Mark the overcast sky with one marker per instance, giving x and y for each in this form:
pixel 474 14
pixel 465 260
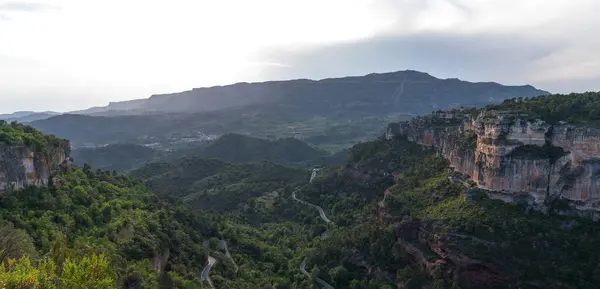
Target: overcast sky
pixel 71 54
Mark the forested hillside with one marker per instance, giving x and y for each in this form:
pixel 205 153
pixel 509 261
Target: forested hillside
pixel 229 148
pixel 104 230
pixel 238 149
pixel 214 184
pixel 394 215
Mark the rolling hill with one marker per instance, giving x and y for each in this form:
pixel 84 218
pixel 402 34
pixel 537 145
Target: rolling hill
pixel 229 148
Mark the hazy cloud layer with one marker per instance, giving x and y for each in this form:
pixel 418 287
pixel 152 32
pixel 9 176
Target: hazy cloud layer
pixel 499 57
pixel 90 52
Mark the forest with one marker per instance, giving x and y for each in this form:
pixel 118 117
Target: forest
pixel 396 216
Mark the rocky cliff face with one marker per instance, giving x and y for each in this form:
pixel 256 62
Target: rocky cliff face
pixel 21 165
pixel 515 158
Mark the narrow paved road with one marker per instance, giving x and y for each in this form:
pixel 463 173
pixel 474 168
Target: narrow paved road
pixel 323 236
pixel 204 275
pixel 303 267
pixel 223 244
pixel 319 280
pixel 321 211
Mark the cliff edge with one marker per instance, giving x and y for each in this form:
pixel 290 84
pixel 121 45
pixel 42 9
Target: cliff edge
pixel 28 157
pixel 516 157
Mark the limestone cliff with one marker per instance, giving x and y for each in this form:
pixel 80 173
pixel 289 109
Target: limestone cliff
pixel 516 158
pixel 22 165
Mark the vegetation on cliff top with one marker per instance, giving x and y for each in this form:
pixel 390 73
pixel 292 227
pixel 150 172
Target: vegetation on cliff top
pixel 576 108
pixel 16 133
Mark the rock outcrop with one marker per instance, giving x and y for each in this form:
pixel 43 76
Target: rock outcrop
pixel 430 252
pixel 518 159
pixel 22 165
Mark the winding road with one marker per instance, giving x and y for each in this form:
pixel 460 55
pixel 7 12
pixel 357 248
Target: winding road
pixel 321 211
pixel 319 280
pixel 223 244
pixel 204 275
pixel 323 236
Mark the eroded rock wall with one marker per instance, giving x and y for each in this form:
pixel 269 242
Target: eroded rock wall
pixel 503 158
pixel 21 165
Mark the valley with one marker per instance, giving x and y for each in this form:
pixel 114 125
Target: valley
pixel 459 198
pixel 449 144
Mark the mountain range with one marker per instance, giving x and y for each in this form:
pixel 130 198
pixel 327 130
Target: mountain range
pixel 334 111
pixel 27 116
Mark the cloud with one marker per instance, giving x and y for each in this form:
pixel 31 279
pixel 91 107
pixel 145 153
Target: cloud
pixel 480 57
pixel 179 44
pixel 20 6
pixel 550 44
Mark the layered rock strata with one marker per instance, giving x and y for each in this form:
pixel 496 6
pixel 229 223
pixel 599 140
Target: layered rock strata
pixel 518 158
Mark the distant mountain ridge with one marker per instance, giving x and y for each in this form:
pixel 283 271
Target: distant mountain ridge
pixel 393 85
pixel 112 106
pixel 27 116
pixel 350 109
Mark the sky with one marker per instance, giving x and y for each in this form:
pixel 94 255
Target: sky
pixel 64 55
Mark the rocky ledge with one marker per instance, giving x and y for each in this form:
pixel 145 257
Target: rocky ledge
pixel 22 165
pixel 517 158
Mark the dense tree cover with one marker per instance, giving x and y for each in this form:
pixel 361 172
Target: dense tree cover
pixel 239 148
pixel 16 133
pixel 431 231
pixel 577 108
pixel 229 148
pixel 270 234
pixel 513 245
pixel 90 272
pixel 210 183
pixel 89 212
